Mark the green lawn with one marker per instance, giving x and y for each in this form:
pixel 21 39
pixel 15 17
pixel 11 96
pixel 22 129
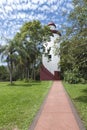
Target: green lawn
pixel 20 102
pixel 78 94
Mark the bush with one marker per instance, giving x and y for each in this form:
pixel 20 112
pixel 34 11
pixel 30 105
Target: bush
pixel 71 77
pixel 83 81
pixel 4 75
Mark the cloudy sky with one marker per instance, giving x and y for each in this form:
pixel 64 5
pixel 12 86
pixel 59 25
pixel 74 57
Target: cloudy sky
pixel 13 13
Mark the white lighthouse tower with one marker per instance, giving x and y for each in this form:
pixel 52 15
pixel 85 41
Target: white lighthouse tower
pixel 50 69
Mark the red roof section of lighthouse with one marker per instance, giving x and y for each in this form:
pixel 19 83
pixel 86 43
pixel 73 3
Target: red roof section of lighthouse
pixel 54 30
pixel 51 23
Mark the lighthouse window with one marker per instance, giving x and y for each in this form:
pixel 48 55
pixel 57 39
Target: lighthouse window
pixel 49 57
pixel 49 50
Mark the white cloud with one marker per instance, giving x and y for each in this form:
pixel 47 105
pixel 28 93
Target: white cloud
pixel 13 2
pixel 61 1
pixel 35 1
pixel 69 5
pixel 24 6
pixel 38 1
pixel 14 6
pixel 44 8
pixel 2 2
pixel 21 15
pixel 31 6
pixel 64 9
pixel 40 16
pixel 14 12
pixel 54 7
pixel 52 1
pixel 8 9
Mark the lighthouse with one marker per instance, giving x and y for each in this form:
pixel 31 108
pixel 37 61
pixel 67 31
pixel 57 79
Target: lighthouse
pixel 50 69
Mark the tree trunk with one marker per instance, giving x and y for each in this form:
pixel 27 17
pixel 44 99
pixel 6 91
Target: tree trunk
pixel 28 74
pixel 34 76
pixel 11 73
pixel 10 77
pixel 34 73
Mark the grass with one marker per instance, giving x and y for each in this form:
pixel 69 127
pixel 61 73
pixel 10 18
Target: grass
pixel 78 94
pixel 19 103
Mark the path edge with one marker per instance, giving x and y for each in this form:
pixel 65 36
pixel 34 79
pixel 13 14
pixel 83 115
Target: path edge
pixel 35 120
pixel 74 111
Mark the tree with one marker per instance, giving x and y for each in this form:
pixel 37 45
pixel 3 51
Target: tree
pixel 74 44
pixel 23 50
pixel 4 75
pixel 29 41
pixel 8 54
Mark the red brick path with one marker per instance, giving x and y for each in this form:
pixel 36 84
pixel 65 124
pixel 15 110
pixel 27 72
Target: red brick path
pixel 57 113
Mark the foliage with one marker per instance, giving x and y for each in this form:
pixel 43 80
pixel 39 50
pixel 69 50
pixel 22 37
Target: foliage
pixel 4 75
pixel 29 42
pixel 23 51
pixel 19 104
pixel 71 77
pixel 8 54
pixel 78 94
pixel 73 49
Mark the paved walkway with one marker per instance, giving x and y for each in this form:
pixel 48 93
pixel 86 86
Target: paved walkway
pixel 57 113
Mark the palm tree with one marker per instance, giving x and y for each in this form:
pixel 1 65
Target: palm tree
pixel 8 55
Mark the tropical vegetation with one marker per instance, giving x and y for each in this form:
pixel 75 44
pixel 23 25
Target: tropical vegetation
pixel 73 49
pixel 23 52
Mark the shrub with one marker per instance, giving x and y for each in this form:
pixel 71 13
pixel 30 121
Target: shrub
pixel 71 77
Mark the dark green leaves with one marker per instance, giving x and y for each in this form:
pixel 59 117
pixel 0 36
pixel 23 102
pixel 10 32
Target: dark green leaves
pixel 74 46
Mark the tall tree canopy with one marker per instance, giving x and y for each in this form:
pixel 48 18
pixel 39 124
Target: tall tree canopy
pixel 74 44
pixel 29 41
pixel 7 52
pixel 26 48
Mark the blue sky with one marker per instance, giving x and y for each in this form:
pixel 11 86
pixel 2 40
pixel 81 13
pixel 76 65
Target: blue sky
pixel 13 13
